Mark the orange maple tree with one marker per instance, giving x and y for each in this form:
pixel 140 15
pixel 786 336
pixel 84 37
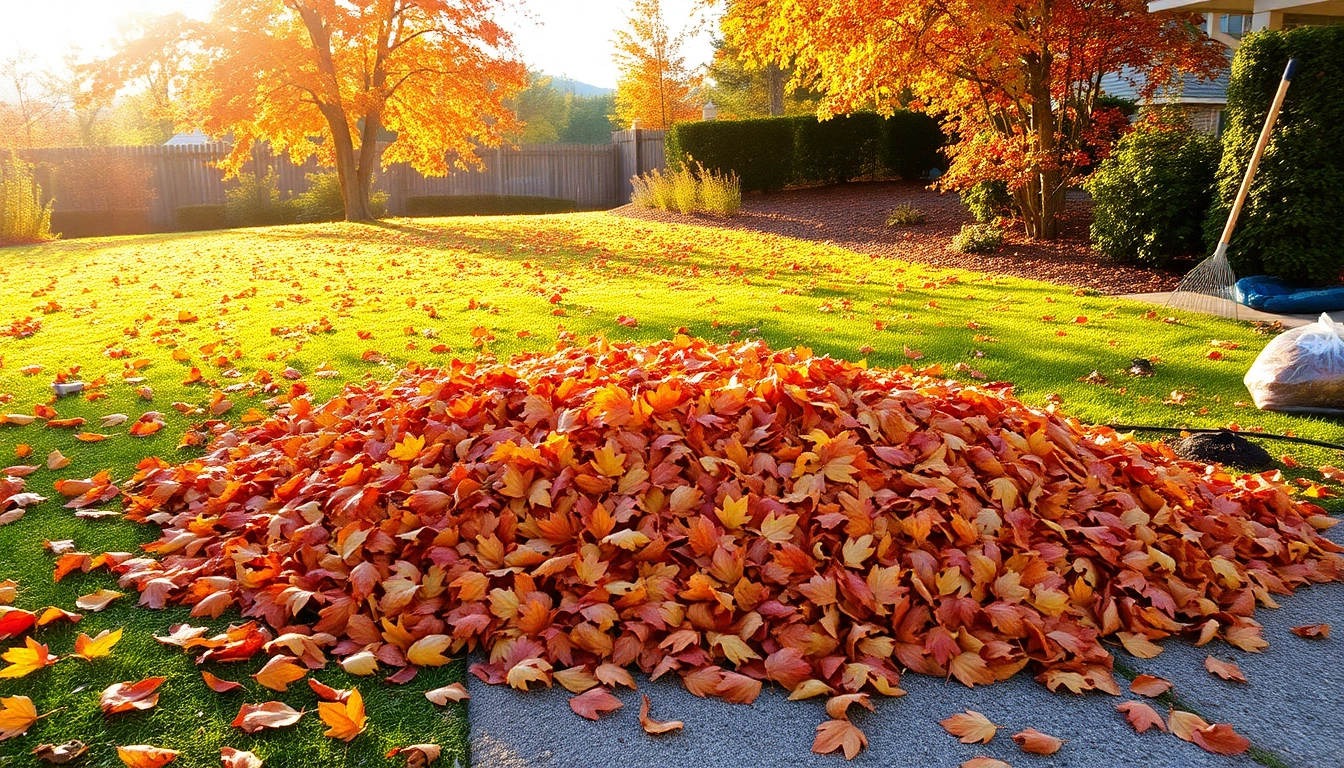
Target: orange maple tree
pixel 332 77
pixel 655 86
pixel 1017 81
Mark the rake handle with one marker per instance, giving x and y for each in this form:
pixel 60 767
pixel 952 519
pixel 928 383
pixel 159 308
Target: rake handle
pixel 1258 153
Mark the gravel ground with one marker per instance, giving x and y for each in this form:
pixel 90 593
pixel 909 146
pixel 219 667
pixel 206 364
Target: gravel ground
pixel 1291 708
pixel 854 216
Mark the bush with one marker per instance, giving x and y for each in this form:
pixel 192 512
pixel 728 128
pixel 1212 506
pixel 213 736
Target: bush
pixel 104 223
pixel 688 190
pixel 1152 193
pixel 256 202
pixel 486 205
pixel 1293 222
pixel 905 216
pixel 23 217
pixel 323 200
pixel 772 153
pixel 988 200
pixel 191 218
pixel 840 149
pixel 759 151
pixel 977 238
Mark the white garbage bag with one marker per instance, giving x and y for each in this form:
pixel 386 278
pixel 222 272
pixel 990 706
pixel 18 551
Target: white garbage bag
pixel 1301 370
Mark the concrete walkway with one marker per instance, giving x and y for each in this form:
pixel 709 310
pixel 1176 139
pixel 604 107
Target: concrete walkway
pixel 1293 707
pixel 1243 313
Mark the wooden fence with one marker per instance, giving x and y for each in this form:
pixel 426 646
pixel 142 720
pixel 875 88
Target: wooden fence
pixel 158 180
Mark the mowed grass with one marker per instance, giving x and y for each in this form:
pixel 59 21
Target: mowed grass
pixel 362 301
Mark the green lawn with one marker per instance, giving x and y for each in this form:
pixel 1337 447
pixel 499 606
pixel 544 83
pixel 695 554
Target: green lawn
pixel 340 302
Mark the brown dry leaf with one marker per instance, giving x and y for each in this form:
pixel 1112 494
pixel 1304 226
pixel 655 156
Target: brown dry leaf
pixel 238 758
pixel 60 754
pixel 450 692
pixel 594 703
pixel 1141 716
pixel 417 755
pixel 124 697
pixel 970 727
pixel 271 714
pixel 985 762
pixel 1227 670
pixel 1037 743
pixel 839 734
pixel 279 672
pixel 1320 631
pixel 837 707
pixel 1138 645
pixel 145 756
pixel 655 727
pixel 1184 724
pixel 1220 739
pixel 1150 686
pixel 346 719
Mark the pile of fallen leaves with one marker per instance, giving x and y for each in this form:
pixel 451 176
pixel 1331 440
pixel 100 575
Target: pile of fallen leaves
pixel 729 514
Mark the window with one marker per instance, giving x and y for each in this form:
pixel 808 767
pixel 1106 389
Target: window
pixel 1234 24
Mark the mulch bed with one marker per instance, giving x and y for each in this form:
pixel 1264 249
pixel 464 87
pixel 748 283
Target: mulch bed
pixel 854 216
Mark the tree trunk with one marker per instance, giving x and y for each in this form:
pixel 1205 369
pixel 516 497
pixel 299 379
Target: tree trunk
pixel 774 83
pixel 1042 201
pixel 353 191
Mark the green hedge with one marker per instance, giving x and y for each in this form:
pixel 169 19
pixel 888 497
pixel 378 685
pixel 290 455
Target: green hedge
pixel 192 218
pixel 486 205
pixel 1293 223
pixel 772 153
pixel 72 224
pixel 1152 193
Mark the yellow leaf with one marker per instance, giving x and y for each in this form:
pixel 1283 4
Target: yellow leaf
pixel 778 530
pixel 345 718
pixel 279 672
pixel 607 461
pixel 428 651
pixel 94 647
pixel 733 513
pixel 23 661
pixel 17 715
pixel 408 449
pixel 627 539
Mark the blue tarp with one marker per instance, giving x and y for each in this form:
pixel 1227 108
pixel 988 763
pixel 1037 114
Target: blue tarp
pixel 1271 294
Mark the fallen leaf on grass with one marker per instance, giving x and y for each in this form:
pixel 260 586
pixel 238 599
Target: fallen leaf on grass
pixel 26 660
pixel 326 692
pixel 145 756
pixel 1147 685
pixel 1037 743
pixel 1141 716
pixel 1321 631
pixel 15 621
pixel 17 715
pixel 594 703
pixel 839 734
pixel 124 697
pixel 278 673
pixel 219 685
pixel 655 727
pixel 346 718
pixel 450 692
pixel 417 755
pixel 89 648
pixel 271 714
pixel 428 651
pixel 238 758
pixel 1227 670
pixel 60 754
pixel 970 727
pixel 97 601
pixel 362 664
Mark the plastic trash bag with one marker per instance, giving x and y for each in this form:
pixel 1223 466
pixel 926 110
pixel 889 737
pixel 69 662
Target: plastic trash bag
pixel 1301 370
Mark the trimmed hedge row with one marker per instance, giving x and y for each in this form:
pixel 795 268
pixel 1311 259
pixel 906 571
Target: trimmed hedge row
pixel 486 205
pixel 1293 224
pixel 194 218
pixel 775 152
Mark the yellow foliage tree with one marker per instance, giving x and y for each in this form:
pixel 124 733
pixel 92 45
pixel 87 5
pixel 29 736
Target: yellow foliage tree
pixel 655 86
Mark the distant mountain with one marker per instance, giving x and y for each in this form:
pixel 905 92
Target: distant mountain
pixel 566 85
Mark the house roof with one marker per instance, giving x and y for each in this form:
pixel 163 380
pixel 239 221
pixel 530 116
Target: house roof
pixel 195 137
pixel 1188 90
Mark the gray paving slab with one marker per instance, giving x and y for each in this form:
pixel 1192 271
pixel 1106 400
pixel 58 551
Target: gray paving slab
pixel 1293 702
pixel 511 729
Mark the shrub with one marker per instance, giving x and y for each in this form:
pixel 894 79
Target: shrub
pixel 988 200
pixel 759 151
pixel 323 200
pixel 905 216
pixel 192 218
pixel 1293 222
pixel 977 238
pixel 486 205
pixel 840 149
pixel 688 190
pixel 256 202
pixel 23 217
pixel 74 224
pixel 1152 193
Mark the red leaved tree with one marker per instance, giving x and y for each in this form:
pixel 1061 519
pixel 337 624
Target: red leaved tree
pixel 1017 81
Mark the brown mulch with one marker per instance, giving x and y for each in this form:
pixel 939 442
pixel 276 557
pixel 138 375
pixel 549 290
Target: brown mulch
pixel 854 216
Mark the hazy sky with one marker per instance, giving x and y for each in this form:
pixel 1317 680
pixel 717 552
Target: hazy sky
pixel 559 37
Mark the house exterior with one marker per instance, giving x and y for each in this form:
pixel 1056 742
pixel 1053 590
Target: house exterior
pixel 1226 21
